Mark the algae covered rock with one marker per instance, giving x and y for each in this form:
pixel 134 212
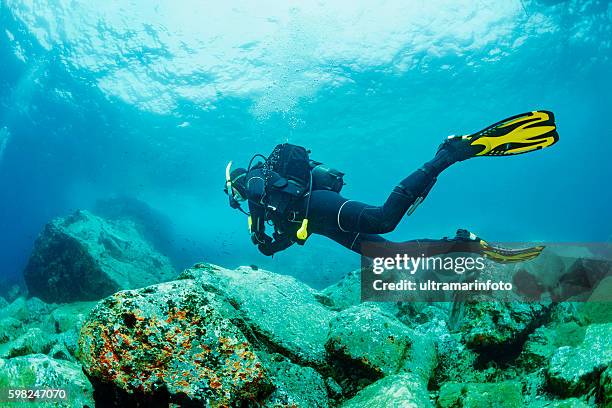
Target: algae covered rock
pixel 574 371
pixel 605 382
pixel 363 338
pixel 506 394
pixel 33 341
pixel 399 390
pixel 27 311
pixel 490 326
pixel 84 257
pixel 295 386
pixel 69 316
pixel 9 329
pixel 544 342
pixel 284 313
pixel 598 309
pixel 347 292
pixel 41 371
pixel 169 342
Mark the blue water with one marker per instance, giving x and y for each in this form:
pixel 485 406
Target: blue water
pixel 150 100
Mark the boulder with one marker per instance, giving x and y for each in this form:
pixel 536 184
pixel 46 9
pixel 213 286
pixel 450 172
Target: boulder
pixel 41 371
pixel 70 316
pixel 566 403
pixel 366 339
pixel 84 257
pixel 574 371
pixel 505 394
pixel 169 342
pixel 33 341
pixel 490 327
pixel 365 344
pixel 363 338
pixel 295 386
pixel 544 342
pixel 598 309
pixel 10 328
pixel 28 311
pixel 284 314
pixel 399 390
pixel 605 382
pixel 347 292
pixel 455 360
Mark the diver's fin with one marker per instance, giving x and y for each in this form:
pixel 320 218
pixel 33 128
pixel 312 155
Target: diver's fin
pixel 504 255
pixel 498 254
pixel 516 135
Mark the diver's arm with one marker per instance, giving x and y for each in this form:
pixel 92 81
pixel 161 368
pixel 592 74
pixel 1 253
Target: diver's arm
pixel 258 224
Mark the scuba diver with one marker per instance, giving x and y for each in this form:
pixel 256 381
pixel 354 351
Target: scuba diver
pixel 300 197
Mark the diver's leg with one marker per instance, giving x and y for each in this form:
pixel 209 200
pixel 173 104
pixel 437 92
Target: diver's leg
pixel 323 213
pixel 406 196
pixel 354 240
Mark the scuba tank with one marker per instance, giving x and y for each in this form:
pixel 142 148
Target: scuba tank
pixel 325 177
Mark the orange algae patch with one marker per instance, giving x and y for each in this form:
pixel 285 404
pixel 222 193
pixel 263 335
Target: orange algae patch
pixel 215 383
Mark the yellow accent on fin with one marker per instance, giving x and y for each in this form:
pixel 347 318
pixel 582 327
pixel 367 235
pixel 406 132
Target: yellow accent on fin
pixel 302 233
pixel 250 222
pixel 532 131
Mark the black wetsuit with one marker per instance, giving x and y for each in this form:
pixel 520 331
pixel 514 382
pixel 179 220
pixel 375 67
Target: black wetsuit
pixel 348 222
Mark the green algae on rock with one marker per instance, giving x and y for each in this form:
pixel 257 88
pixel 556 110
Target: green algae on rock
pixel 294 385
pixel 42 371
pixel 505 394
pixel 368 339
pixel 84 257
pixel 399 390
pixel 33 341
pixel 574 371
pixel 282 312
pixel 493 325
pixel 171 341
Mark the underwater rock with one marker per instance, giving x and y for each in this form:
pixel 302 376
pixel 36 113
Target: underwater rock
pixel 365 339
pixel 455 360
pixel 152 224
pixel 84 257
pixel 365 344
pixel 347 292
pixel 399 390
pixel 64 323
pixel 9 329
pixel 286 315
pixel 573 371
pixel 598 309
pixel 41 371
pixel 489 327
pixel 3 302
pixel 566 403
pixel 544 342
pixel 27 310
pixel 295 386
pixel 33 341
pixel 169 343
pixel 13 293
pixel 70 316
pixel 605 382
pixel 505 394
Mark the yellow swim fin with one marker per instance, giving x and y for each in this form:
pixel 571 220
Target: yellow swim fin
pixel 504 255
pixel 516 135
pixel 499 254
